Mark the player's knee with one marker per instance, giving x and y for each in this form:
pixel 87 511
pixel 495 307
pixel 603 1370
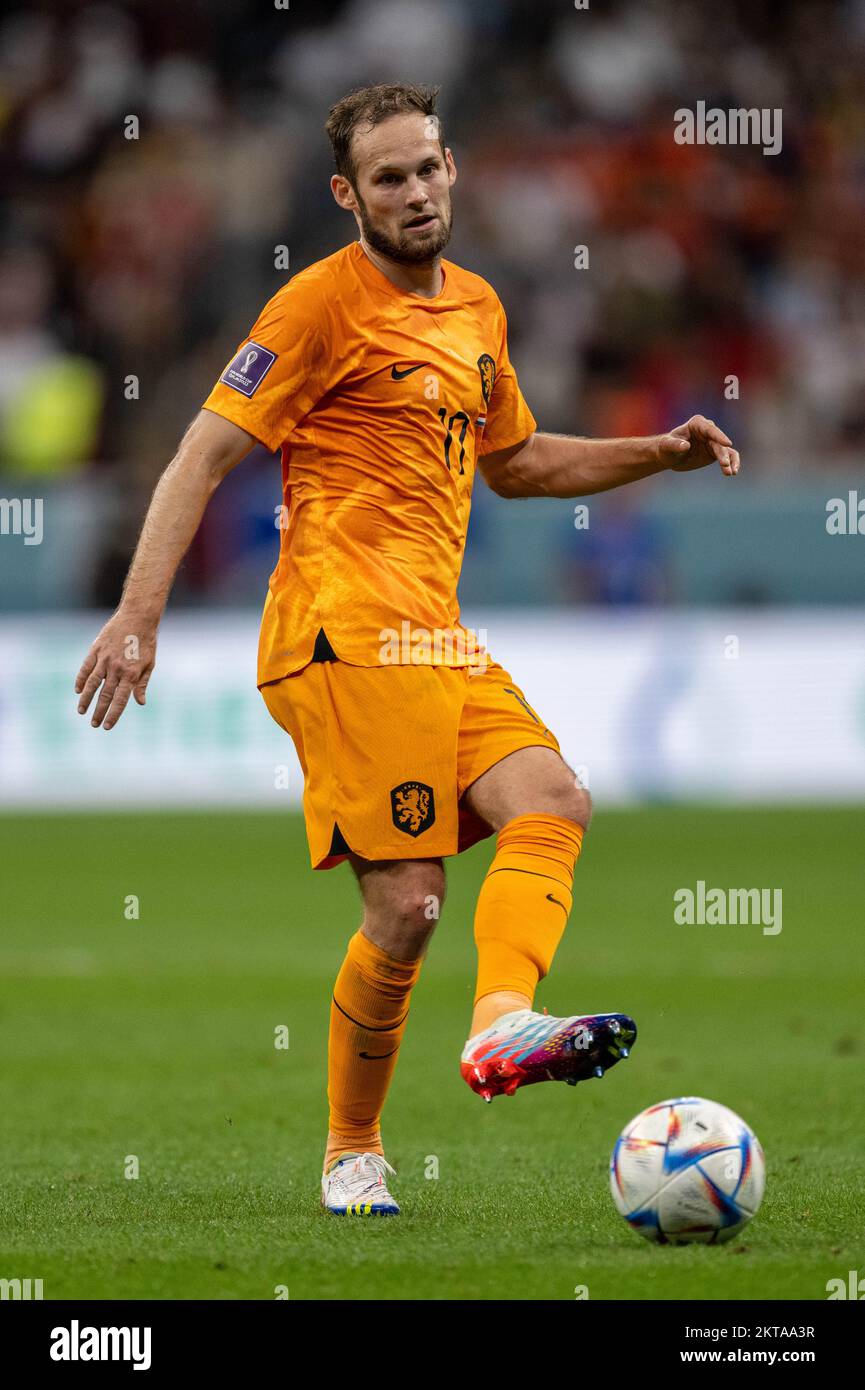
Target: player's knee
pixel 406 914
pixel 569 800
pixel 418 900
pixel 579 805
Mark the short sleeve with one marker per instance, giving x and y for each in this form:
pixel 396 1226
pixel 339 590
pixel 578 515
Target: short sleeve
pixel 281 369
pixel 509 420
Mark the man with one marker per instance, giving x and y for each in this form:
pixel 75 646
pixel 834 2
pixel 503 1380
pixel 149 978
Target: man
pixel 382 373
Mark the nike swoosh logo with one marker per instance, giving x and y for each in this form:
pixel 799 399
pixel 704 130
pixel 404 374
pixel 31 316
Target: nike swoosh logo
pixel 551 899
pixel 377 1056
pixel 398 376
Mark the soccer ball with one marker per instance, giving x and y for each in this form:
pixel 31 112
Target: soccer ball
pixel 687 1170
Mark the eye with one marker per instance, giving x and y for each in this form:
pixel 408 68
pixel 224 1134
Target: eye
pixel 389 178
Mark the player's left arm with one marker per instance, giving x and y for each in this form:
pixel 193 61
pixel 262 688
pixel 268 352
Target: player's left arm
pixel 560 465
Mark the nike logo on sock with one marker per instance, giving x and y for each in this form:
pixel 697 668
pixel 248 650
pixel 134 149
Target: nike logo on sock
pixel 377 1056
pixel 551 899
pixel 398 376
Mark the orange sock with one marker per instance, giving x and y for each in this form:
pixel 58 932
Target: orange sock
pixel 367 1021
pixel 525 902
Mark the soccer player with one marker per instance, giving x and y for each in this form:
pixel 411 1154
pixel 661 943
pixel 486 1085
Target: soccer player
pixel 382 373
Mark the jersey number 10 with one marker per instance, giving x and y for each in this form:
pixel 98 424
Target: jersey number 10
pixel 449 436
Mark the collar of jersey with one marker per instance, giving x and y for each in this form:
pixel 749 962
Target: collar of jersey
pixel 379 281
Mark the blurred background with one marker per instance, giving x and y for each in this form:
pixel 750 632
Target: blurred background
pixel 720 280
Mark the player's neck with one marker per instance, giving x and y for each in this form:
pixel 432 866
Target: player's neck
pixel 425 280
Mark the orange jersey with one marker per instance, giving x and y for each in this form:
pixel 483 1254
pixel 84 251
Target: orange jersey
pixel 380 401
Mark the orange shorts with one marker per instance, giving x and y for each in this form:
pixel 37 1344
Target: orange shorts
pixel 387 752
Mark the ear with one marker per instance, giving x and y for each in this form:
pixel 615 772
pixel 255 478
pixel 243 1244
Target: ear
pixel 343 192
pixel 450 166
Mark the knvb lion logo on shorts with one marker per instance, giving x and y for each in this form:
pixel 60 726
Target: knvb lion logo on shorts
pixel 413 807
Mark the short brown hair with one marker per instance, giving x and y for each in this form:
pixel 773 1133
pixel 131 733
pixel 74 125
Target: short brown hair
pixel 370 106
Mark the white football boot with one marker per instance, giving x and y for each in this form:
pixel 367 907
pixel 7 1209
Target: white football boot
pixel 356 1186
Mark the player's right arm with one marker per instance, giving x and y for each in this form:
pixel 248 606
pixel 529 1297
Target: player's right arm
pixel 123 655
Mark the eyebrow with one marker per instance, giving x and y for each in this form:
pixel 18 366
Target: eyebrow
pixel 400 169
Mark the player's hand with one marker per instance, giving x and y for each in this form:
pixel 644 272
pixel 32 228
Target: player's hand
pixel 121 660
pixel 696 444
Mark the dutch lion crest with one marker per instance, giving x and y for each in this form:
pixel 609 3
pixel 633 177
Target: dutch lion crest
pixel 487 369
pixel 412 807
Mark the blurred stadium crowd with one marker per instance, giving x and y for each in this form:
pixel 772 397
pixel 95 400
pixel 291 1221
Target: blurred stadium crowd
pixel 148 258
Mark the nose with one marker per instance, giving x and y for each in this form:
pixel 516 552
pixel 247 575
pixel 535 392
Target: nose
pixel 417 194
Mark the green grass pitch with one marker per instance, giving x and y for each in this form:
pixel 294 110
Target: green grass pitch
pixel 155 1038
